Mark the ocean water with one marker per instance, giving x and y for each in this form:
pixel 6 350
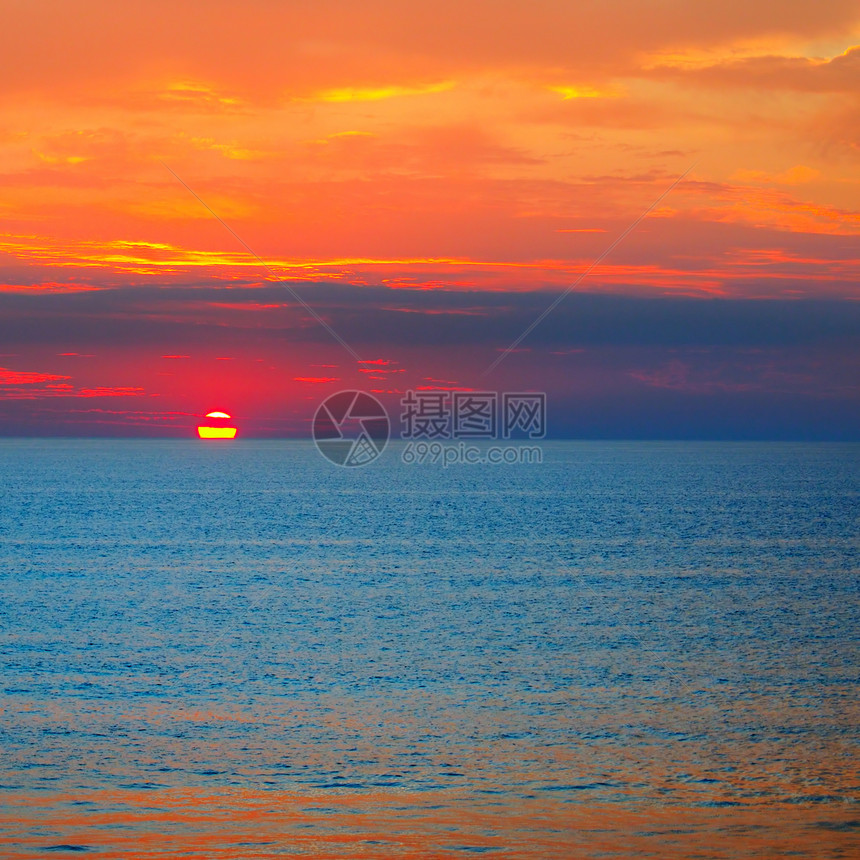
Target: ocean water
pixel 238 650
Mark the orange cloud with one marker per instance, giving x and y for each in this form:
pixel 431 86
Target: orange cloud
pixel 806 74
pixel 31 385
pixel 797 175
pixel 15 377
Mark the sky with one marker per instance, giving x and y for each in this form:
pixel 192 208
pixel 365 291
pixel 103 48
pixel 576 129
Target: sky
pixel 248 207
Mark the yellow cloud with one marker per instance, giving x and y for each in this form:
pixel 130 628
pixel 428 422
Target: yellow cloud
pixel 60 159
pixel 228 150
pixel 139 243
pixel 372 94
pixel 194 92
pixel 342 135
pixel 581 92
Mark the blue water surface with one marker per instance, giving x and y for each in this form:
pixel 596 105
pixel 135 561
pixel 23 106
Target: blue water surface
pixel 246 651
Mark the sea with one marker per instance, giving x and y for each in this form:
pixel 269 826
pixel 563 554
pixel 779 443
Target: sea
pixel 239 650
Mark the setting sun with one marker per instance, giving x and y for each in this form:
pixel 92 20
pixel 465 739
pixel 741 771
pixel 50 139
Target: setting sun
pixel 216 427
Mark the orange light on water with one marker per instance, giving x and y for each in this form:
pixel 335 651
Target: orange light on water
pixel 217 427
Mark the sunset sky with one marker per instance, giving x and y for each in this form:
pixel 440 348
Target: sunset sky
pixel 427 176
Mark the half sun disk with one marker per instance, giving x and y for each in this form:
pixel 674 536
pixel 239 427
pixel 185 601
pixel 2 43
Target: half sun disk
pixel 216 428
